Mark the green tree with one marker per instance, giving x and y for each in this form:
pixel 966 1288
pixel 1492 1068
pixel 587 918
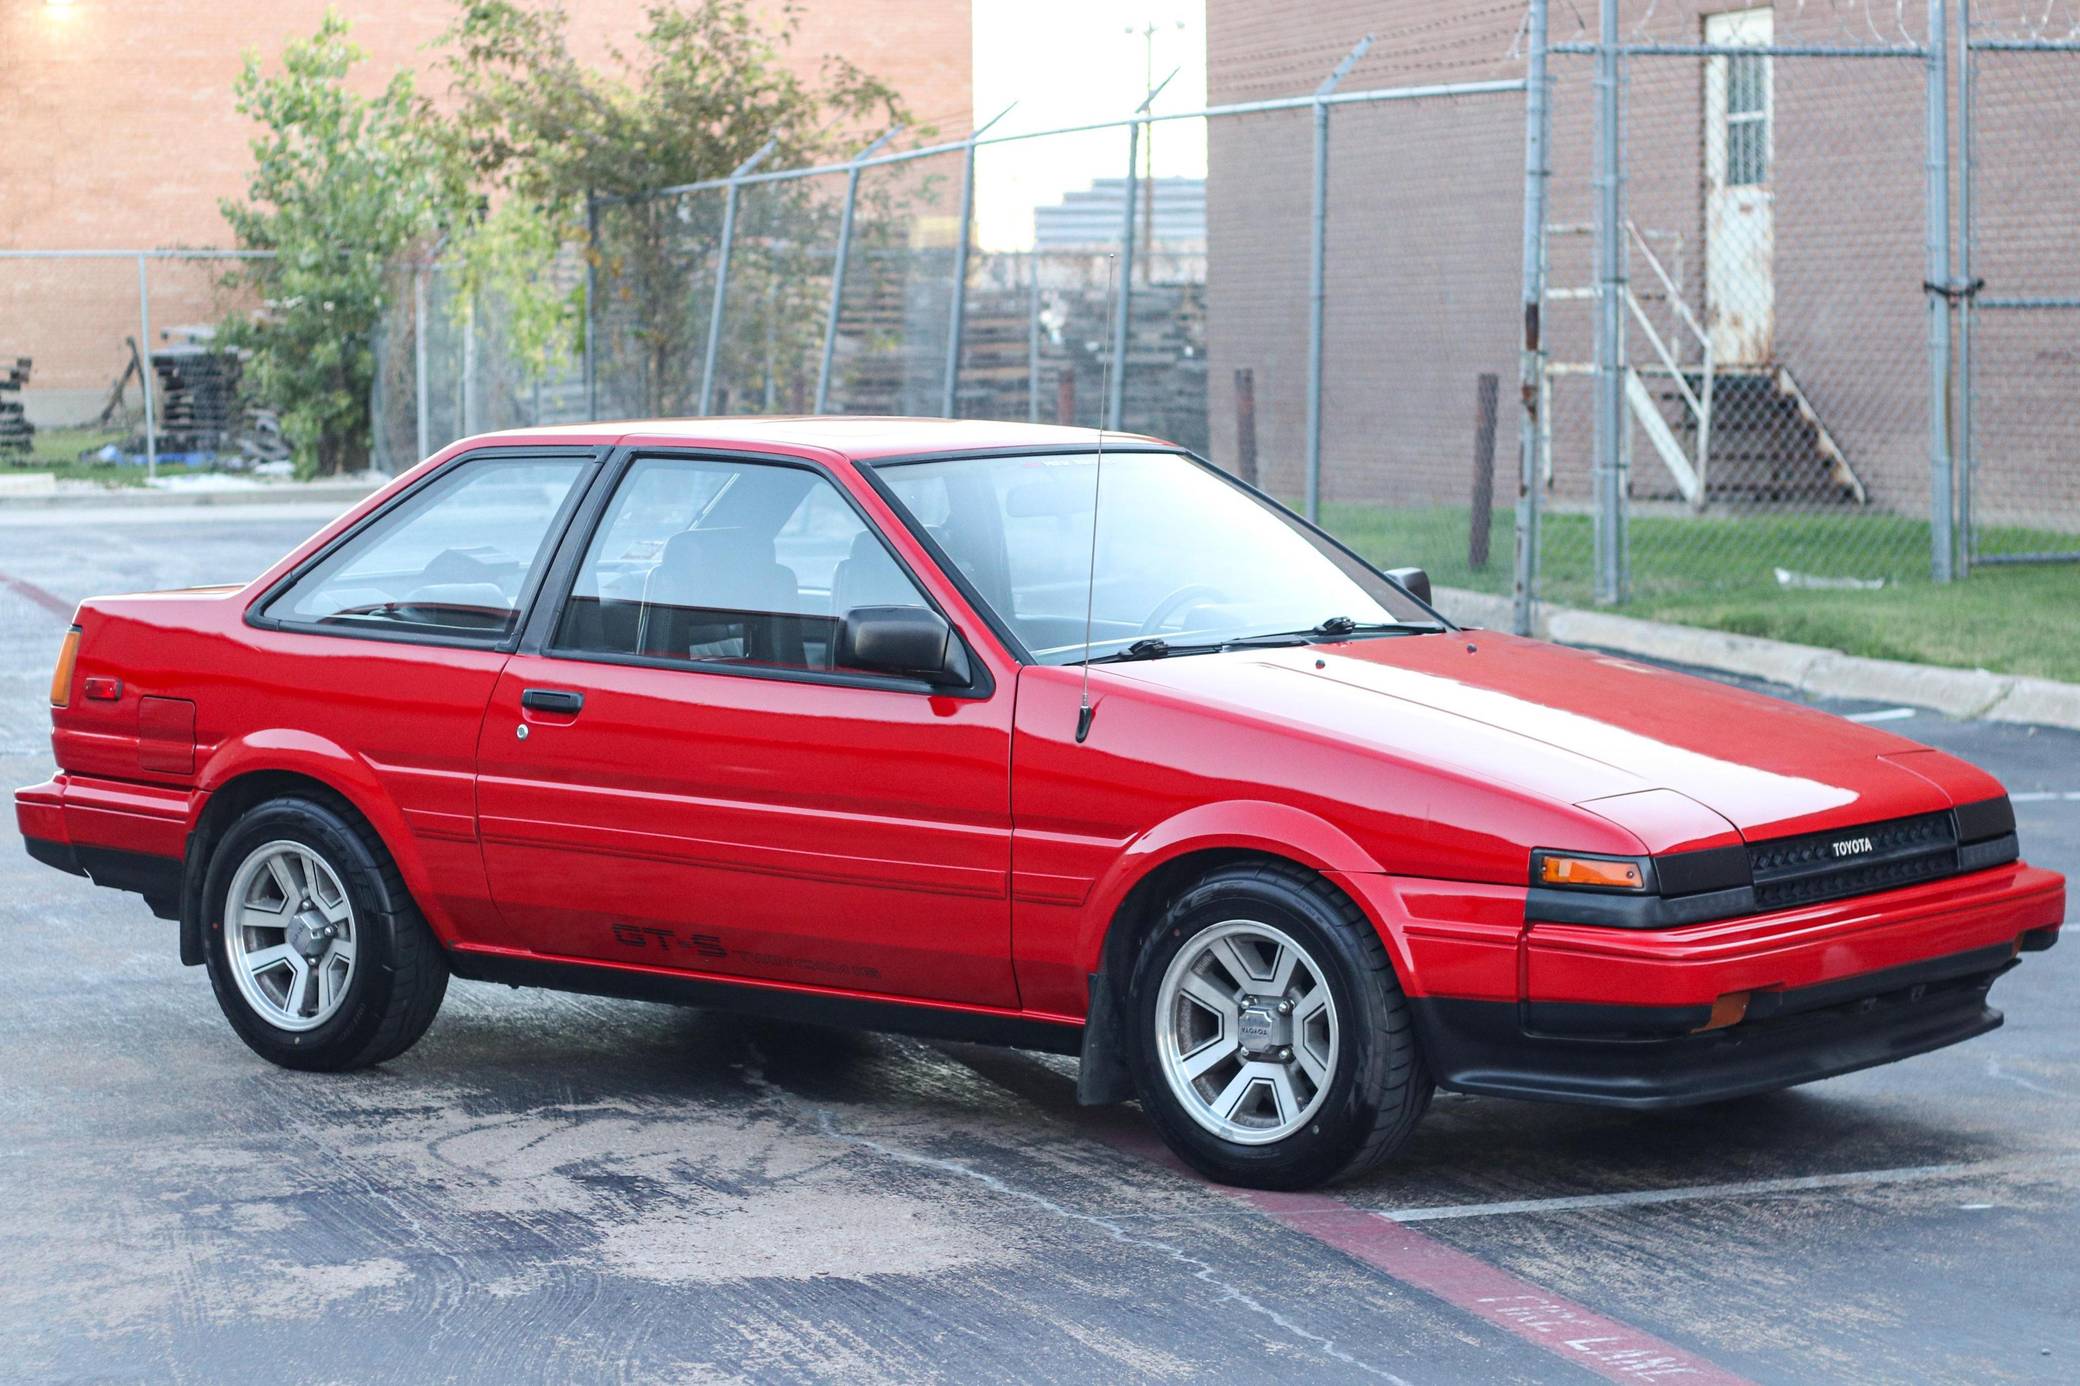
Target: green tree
pixel 703 88
pixel 342 185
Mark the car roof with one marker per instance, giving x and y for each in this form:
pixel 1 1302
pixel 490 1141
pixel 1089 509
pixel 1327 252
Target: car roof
pixel 859 436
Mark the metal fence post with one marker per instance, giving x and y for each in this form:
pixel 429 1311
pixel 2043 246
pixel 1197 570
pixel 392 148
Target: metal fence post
pixel 591 296
pixel 421 384
pixel 1611 291
pixel 1532 363
pixel 1033 337
pixel 1318 249
pixel 1116 397
pixel 1936 287
pixel 830 321
pixel 962 236
pixel 1966 454
pixel 729 231
pixel 144 373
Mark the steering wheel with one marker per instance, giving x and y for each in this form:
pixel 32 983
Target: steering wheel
pixel 1178 601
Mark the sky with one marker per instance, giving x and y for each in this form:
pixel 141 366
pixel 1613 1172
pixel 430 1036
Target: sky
pixel 1071 62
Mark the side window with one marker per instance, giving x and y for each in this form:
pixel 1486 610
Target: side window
pixel 452 559
pixel 710 561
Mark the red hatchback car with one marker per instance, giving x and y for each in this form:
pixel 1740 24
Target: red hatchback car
pixel 967 730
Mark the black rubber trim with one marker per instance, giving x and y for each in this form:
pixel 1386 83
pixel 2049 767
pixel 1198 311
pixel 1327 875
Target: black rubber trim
pixel 158 879
pixel 1988 818
pixel 2039 940
pixel 1643 1058
pixel 1558 905
pixel 1706 869
pixel 1998 851
pixel 850 1012
pixel 58 854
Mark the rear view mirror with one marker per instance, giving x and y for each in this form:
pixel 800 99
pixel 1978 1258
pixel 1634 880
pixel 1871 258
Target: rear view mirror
pixel 911 642
pixel 1415 580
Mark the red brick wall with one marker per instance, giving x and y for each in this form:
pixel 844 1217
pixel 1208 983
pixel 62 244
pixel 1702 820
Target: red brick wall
pixel 116 130
pixel 1424 245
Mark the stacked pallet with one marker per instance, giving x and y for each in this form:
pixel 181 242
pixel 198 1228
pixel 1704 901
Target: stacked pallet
pixel 197 403
pixel 17 434
pixel 1165 381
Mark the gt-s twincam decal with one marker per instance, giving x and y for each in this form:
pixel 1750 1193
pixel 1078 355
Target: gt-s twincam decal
pixel 669 940
pixel 663 940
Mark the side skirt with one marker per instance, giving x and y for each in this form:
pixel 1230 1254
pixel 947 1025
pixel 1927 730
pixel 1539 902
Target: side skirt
pixel 778 1003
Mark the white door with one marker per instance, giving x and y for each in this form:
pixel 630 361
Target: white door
pixel 1740 217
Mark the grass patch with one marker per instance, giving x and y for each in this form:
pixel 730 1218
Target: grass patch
pixel 57 451
pixel 1718 572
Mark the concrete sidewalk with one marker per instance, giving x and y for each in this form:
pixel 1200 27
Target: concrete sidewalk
pixel 1974 694
pixel 337 492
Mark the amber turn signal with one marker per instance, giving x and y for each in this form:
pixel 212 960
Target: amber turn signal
pixel 1607 873
pixel 61 677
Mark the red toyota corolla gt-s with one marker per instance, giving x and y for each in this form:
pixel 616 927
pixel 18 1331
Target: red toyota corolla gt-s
pixel 971 730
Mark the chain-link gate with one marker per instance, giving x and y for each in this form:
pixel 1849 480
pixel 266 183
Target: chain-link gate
pixel 2018 418
pixel 1738 377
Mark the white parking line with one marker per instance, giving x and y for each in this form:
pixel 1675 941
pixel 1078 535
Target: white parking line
pixel 1889 714
pixel 1870 1178
pixel 2046 796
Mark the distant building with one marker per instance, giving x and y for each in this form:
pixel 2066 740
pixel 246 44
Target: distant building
pixel 1091 216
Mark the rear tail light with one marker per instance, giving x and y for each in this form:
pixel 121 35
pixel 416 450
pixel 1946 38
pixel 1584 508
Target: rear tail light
pixel 61 677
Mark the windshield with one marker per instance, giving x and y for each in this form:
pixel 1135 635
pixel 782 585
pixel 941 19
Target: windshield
pixel 1184 557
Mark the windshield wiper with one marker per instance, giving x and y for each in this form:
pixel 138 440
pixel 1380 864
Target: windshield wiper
pixel 1336 627
pixel 1149 647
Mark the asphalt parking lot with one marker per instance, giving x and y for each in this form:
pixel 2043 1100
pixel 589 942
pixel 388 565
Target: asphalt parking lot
pixel 563 1188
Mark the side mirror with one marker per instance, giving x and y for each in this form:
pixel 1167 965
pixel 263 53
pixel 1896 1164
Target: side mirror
pixel 1415 580
pixel 912 642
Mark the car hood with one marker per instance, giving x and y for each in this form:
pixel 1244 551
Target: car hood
pixel 1577 726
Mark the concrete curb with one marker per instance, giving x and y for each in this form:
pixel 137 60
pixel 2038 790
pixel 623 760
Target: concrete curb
pixel 1972 694
pixel 341 493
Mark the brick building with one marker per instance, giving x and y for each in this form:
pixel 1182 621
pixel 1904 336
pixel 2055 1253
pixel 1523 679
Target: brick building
pixel 117 131
pixel 1783 197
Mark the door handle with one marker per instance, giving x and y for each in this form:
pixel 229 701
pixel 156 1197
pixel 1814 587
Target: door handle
pixel 552 700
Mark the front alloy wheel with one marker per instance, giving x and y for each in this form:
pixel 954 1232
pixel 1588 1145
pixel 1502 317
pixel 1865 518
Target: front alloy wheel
pixel 1249 1036
pixel 1270 1043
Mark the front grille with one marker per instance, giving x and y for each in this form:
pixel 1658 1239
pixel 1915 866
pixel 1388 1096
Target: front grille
pixel 1853 861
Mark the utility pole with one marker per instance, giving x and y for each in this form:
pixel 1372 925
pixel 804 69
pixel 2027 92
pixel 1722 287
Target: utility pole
pixel 1147 33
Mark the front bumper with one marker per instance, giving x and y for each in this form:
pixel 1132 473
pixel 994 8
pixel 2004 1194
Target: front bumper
pixel 1669 1017
pixel 1806 1034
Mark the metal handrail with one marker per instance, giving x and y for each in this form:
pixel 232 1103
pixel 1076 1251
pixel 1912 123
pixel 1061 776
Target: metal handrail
pixel 1697 400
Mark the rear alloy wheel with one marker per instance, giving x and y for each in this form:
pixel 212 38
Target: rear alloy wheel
pixel 289 933
pixel 1271 1044
pixel 317 954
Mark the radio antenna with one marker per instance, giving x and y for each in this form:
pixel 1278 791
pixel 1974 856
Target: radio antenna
pixel 1090 582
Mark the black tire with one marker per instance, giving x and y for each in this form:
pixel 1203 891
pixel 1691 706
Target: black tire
pixel 1379 1087
pixel 400 973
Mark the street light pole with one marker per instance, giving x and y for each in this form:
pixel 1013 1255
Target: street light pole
pixel 1147 32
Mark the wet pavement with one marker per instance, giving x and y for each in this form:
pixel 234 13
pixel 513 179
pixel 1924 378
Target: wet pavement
pixel 563 1188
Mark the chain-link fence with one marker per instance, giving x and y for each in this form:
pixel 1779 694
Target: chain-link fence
pixel 1771 369
pixel 1798 281
pixel 2018 340
pixel 1737 339
pixel 108 358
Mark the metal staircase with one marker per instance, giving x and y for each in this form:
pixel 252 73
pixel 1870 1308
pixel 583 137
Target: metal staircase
pixel 1735 435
